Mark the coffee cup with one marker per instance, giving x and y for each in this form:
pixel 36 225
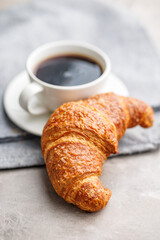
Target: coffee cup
pixel 40 97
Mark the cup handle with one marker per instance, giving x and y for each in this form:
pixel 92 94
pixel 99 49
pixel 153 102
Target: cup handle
pixel 31 99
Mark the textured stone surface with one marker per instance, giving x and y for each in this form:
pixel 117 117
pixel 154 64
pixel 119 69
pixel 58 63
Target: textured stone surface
pixel 30 208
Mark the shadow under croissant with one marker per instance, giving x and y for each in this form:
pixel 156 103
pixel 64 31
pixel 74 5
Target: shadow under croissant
pixel 54 200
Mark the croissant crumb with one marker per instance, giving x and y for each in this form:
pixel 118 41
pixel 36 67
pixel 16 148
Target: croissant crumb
pixel 78 138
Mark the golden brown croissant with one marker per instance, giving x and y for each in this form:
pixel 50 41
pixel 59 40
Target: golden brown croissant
pixel 78 138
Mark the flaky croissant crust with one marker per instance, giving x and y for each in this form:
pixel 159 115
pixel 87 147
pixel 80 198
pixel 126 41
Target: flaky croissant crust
pixel 78 138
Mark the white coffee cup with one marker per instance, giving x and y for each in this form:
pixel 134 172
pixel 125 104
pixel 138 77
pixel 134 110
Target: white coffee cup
pixel 40 97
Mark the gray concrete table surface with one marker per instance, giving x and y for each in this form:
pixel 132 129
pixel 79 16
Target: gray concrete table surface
pixel 30 208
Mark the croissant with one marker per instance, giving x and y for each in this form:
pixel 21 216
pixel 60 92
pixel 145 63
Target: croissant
pixel 78 138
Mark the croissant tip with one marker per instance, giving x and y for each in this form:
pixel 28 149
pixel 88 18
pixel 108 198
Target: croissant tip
pixel 148 119
pixel 99 203
pixel 109 193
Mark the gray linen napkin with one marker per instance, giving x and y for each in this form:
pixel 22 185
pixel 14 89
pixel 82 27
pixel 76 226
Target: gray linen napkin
pixel 27 153
pixel 115 30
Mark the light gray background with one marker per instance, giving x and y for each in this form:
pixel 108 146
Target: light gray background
pixel 30 209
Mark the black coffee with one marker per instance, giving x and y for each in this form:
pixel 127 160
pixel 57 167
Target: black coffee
pixel 68 70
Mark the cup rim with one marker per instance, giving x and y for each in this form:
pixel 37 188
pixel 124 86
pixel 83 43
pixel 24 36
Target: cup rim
pixel 75 44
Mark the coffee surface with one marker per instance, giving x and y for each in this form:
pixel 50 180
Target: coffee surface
pixel 68 70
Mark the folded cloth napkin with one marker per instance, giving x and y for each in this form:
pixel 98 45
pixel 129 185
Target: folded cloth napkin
pixel 115 30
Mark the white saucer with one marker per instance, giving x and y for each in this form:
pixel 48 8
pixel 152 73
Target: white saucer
pixel 35 124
